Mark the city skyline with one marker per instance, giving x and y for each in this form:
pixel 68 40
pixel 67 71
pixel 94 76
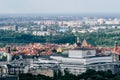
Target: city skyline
pixel 57 7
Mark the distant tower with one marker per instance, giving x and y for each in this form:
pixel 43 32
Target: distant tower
pixel 78 40
pixel 116 44
pixel 8 51
pixel 16 28
pixel 78 44
pixel 115 54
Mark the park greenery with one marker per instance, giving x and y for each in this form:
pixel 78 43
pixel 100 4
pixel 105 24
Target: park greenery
pixel 88 75
pixel 100 38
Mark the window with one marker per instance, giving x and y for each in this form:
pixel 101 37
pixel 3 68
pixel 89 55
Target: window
pixel 88 53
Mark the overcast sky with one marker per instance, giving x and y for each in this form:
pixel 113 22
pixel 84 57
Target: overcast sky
pixel 59 6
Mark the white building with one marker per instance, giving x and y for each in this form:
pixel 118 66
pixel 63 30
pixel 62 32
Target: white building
pixel 82 56
pixel 41 33
pixel 71 23
pixel 81 59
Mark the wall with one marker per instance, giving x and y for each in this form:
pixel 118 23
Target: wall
pixel 81 53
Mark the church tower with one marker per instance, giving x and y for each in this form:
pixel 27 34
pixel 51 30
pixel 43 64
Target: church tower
pixel 78 40
pixel 115 52
pixel 84 43
pixel 8 51
pixel 78 44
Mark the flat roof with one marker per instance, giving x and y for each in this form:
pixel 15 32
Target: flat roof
pixel 83 49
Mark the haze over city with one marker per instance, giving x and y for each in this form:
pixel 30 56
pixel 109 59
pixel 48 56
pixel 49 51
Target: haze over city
pixel 59 40
pixel 59 6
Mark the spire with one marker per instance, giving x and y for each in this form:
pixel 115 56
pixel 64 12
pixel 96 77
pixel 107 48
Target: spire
pixel 84 43
pixel 116 44
pixel 77 44
pixel 78 40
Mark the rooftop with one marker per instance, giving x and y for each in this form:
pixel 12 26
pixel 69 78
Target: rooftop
pixel 82 49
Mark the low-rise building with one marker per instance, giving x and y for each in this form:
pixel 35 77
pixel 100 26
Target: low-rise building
pixel 81 59
pixel 18 67
pixel 41 33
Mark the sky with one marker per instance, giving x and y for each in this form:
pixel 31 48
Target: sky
pixel 59 6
